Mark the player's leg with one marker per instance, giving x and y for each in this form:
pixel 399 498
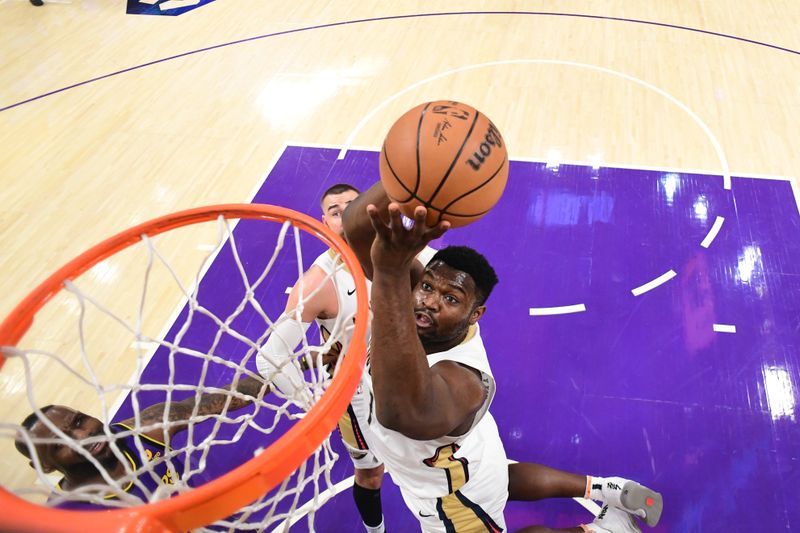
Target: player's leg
pixel 356 434
pixel 531 481
pixel 367 495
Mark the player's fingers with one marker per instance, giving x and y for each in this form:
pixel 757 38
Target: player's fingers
pixel 420 212
pixel 437 231
pixel 374 217
pixel 395 218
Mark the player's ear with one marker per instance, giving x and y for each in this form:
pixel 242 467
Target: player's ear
pixel 476 314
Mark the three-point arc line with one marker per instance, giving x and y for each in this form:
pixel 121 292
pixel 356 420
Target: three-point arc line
pixel 560 310
pixel 650 285
pixel 712 233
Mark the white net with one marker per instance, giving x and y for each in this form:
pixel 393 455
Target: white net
pixel 196 406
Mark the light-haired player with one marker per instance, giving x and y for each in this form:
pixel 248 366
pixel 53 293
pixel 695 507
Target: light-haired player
pixel 433 385
pixel 328 296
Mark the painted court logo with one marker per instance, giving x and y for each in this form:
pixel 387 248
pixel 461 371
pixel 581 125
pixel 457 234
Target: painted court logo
pixel 163 7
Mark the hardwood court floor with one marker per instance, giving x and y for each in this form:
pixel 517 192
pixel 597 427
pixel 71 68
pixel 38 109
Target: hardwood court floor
pixel 109 119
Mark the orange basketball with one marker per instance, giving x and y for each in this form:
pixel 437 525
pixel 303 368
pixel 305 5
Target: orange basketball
pixel 447 156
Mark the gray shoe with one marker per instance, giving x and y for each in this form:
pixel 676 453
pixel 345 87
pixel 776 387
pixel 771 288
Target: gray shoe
pixel 642 502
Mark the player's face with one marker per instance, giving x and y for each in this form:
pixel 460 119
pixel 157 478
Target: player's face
pixel 333 206
pixel 77 426
pixel 445 306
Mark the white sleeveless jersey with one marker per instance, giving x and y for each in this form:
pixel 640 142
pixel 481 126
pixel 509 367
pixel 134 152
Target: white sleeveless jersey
pixel 345 288
pixel 436 468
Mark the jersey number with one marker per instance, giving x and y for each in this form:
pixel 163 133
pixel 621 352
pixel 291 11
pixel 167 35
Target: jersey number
pixel 455 468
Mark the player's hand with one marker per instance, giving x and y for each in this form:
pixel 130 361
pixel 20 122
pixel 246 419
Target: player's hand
pixel 395 246
pixel 327 359
pixel 330 357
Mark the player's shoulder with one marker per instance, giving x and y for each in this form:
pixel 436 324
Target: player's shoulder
pixel 327 261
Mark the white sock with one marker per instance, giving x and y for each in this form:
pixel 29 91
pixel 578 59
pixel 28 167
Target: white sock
pixel 376 529
pixel 605 489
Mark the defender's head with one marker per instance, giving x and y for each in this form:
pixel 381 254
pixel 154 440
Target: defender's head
pixel 451 295
pixel 333 203
pixel 76 425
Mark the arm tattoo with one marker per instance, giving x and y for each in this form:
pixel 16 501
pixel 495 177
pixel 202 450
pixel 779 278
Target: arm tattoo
pixel 212 403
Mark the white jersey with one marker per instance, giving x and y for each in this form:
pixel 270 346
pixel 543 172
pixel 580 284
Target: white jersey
pixel 354 423
pixel 436 468
pixel 345 287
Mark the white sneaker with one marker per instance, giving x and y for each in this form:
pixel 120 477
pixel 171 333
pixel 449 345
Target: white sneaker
pixel 637 500
pixel 612 520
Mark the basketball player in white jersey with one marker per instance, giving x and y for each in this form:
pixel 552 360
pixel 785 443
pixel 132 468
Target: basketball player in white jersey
pixel 334 301
pixel 433 385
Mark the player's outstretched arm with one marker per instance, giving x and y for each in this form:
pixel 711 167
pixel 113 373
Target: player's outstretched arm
pixel 313 296
pixel 357 226
pixel 212 403
pixel 412 398
pixel 360 233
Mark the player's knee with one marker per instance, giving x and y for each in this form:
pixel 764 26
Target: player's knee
pixel 369 478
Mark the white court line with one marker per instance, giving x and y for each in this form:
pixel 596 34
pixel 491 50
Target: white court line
pixel 650 285
pixel 650 168
pixel 589 505
pixel 152 347
pixel 324 497
pixel 712 233
pixel 144 345
pixel 133 380
pixel 724 328
pixel 288 290
pixel 796 189
pixel 560 310
pixel 332 146
pixel 577 162
pixel 726 173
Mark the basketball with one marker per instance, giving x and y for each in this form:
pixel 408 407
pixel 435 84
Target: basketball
pixel 448 157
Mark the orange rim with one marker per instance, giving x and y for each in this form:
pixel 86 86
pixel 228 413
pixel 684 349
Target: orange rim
pixel 225 495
